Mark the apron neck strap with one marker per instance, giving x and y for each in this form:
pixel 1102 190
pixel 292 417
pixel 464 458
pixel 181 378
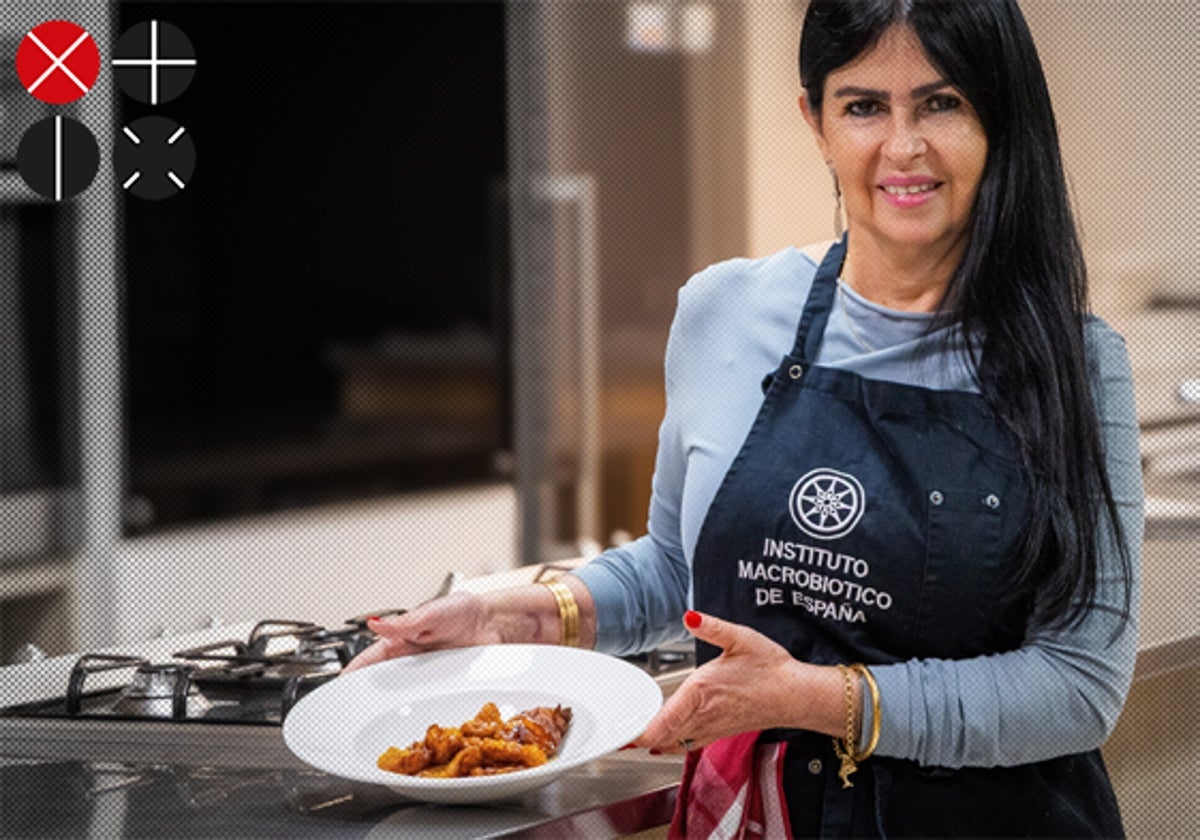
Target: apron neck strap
pixel 819 303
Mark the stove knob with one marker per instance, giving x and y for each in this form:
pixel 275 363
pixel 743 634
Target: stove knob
pixel 27 653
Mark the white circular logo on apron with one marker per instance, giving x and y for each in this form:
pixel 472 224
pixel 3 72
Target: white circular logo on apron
pixel 827 504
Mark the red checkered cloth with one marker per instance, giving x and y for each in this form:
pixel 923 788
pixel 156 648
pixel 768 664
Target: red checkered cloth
pixel 732 789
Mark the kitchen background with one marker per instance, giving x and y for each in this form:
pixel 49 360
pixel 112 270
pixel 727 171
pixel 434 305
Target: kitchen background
pixel 408 318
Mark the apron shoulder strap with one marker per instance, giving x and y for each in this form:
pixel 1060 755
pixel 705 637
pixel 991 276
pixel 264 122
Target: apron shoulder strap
pixel 819 303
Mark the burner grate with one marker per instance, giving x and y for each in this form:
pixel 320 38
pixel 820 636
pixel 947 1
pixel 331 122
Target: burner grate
pixel 253 680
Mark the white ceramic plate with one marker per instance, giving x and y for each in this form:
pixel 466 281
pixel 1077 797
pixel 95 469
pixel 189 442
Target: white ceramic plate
pixel 344 725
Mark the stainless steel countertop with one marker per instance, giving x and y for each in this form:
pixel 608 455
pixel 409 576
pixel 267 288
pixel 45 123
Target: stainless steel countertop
pixel 56 795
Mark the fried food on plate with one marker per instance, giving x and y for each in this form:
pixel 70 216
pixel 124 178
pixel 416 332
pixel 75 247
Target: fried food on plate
pixel 483 746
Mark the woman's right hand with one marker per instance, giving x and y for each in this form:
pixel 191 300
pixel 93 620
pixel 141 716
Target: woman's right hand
pixel 459 619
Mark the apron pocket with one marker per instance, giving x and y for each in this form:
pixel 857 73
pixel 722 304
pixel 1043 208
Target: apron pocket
pixel 959 612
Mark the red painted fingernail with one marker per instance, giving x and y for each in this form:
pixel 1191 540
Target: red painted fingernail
pixel 655 752
pixel 692 619
pixel 372 618
pixel 629 747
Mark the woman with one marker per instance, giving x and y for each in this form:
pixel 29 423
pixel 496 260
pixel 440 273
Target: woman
pixel 910 551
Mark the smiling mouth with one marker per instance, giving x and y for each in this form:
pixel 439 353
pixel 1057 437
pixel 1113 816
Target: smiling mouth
pixel 911 190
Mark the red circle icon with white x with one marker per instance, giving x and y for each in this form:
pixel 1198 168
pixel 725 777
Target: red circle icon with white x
pixel 58 62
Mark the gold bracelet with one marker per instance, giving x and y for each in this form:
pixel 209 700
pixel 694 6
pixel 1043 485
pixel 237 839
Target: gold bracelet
pixel 846 748
pixel 568 611
pixel 869 679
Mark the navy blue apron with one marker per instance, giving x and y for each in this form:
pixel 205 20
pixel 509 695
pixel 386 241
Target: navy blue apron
pixel 876 522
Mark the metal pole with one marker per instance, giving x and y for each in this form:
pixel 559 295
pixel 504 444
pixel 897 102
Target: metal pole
pixel 580 190
pixel 100 417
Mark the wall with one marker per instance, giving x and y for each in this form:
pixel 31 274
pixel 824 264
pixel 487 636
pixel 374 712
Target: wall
pixel 1153 757
pixel 790 196
pixel 323 565
pixel 1123 76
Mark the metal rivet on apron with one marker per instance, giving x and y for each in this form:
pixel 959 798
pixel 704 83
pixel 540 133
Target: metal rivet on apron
pixel 814 766
pixel 795 371
pixel 936 497
pixel 992 501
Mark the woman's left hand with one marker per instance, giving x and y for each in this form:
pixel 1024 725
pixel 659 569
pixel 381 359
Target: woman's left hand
pixel 754 684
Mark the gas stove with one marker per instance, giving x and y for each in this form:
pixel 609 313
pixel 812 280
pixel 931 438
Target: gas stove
pixel 255 680
pixel 184 737
pixel 224 699
pixel 221 701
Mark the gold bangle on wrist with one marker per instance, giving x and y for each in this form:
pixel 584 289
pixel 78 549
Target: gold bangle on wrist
pixel 873 740
pixel 568 611
pixel 846 749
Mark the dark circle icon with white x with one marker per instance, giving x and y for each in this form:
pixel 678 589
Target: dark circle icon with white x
pixel 58 157
pixel 154 158
pixel 154 61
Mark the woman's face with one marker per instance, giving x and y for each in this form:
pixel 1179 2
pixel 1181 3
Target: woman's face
pixel 906 146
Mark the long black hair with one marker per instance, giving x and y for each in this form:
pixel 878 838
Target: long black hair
pixel 1021 289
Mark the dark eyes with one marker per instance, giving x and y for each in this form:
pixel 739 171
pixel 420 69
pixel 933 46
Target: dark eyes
pixel 864 107
pixel 935 104
pixel 943 102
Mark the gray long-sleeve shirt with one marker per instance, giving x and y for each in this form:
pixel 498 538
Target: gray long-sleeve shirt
pixel 1059 693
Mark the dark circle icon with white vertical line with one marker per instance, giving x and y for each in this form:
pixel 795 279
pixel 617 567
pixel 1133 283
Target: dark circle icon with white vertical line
pixel 58 157
pixel 57 62
pixel 154 61
pixel 154 158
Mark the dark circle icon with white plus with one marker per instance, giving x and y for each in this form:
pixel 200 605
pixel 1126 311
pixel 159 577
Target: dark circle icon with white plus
pixel 154 61
pixel 154 157
pixel 58 157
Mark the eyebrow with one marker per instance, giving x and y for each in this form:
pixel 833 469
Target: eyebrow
pixel 917 92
